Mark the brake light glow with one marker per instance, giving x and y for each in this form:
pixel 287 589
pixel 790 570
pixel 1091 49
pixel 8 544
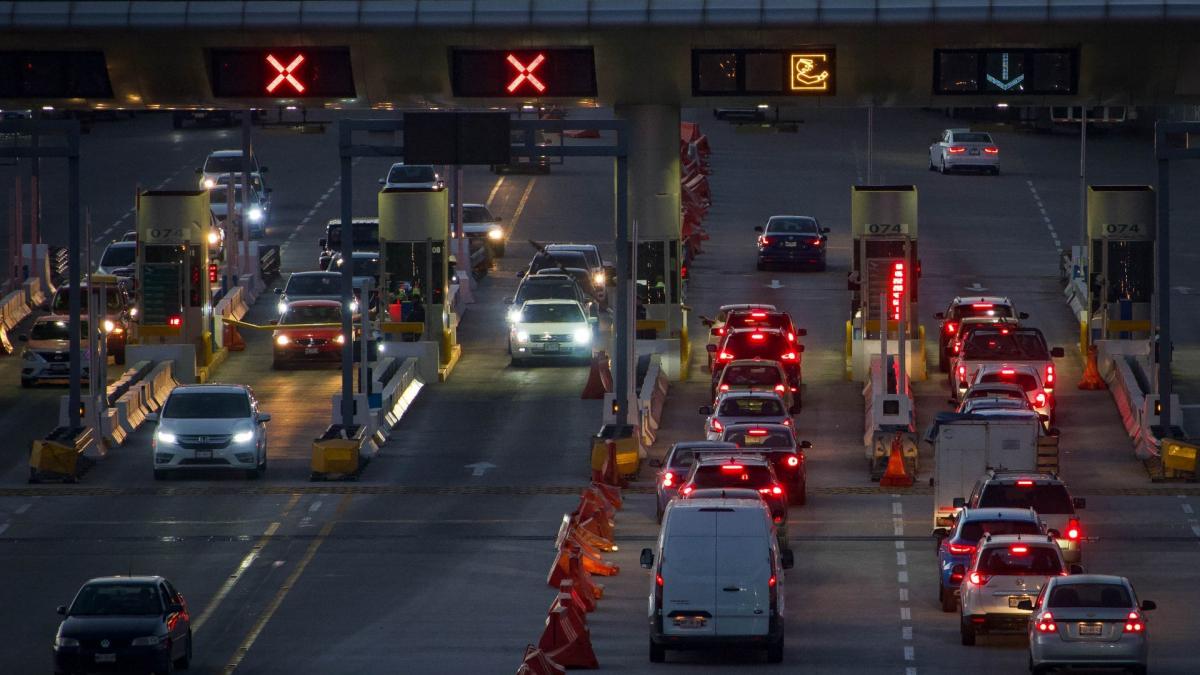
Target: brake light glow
pixel 766 241
pixel 758 315
pixel 793 461
pixel 1018 550
pixel 776 490
pixel 658 580
pixel 960 549
pixel 1073 532
pixel 724 387
pixel 979 579
pixel 1049 374
pixel 1133 623
pixel 771 582
pixel 668 479
pixel 950 327
pixel 1040 399
pixel 780 388
pixel 982 305
pixel 789 356
pixel 956 149
pixel 687 490
pixel 1024 483
pixel 1046 623
pixel 791 337
pixel 757 336
pixel 732 467
pixel 717 426
pixel 1008 371
pixel 962 373
pixel 725 356
pixel 992 150
pixel 718 331
pixel 757 432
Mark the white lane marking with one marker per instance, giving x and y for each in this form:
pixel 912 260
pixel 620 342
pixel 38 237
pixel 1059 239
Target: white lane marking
pixel 316 506
pixel 3 527
pixel 1196 529
pixel 897 509
pixel 23 508
pixel 901 559
pixel 903 595
pixel 909 654
pixel 516 216
pixel 902 577
pixel 234 577
pixel 495 189
pixel 910 671
pixel 898 527
pixel 900 545
pixel 906 633
pixel 1187 508
pixel 905 614
pixel 1045 217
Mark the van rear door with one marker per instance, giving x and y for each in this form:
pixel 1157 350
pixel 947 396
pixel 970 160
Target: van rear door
pixel 743 574
pixel 689 573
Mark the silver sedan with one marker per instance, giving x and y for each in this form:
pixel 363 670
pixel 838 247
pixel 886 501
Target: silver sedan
pixel 744 407
pixel 1091 621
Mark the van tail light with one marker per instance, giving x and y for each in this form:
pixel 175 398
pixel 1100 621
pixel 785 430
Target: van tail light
pixel 1134 623
pixel 979 579
pixel 725 356
pixel 687 490
pixel 732 467
pixel 1049 375
pixel 717 427
pixel 789 356
pixel 771 582
pixel 1008 371
pixel 793 461
pixel 1073 531
pixel 950 327
pixel 724 387
pixel 658 580
pixel 1024 482
pixel 758 337
pixel 718 332
pixel 992 150
pixel 956 149
pixel 668 479
pixel 1040 399
pixel 757 432
pixel 773 490
pixel 758 315
pixel 1046 623
pixel 960 549
pixel 780 388
pixel 1018 550
pixel 962 374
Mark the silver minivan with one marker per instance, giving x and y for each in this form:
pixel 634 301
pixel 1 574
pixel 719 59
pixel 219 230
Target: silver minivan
pixel 718 578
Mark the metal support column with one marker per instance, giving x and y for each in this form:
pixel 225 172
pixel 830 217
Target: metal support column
pixel 74 274
pixel 625 312
pixel 1163 283
pixel 245 261
pixel 1083 228
pixel 347 199
pixel 871 144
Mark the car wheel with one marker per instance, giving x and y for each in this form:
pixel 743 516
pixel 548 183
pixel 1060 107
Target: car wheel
pixel 966 632
pixel 775 652
pixel 931 166
pixel 946 597
pixel 658 653
pixel 942 166
pixel 184 662
pixel 160 474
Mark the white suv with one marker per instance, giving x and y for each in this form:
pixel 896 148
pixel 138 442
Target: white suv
pixel 1005 572
pixel 204 426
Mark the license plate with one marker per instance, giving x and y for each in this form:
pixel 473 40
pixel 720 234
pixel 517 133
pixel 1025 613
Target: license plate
pixel 550 347
pixel 1091 628
pixel 690 621
pixel 204 454
pixel 1014 600
pixel 58 367
pixel 106 658
pixel 310 350
pixel 974 152
pixel 790 244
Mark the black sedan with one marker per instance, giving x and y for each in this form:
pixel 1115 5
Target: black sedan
pixel 124 624
pixel 793 241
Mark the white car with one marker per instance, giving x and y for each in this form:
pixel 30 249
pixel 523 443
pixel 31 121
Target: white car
pixel 744 407
pixel 1088 621
pixel 479 223
pixel 549 329
pixel 47 353
pixel 412 177
pixel 117 255
pixel 1024 376
pixel 1006 571
pixel 210 426
pixel 964 149
pixel 220 163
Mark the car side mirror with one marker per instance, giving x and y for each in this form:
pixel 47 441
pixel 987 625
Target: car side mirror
pixel 174 608
pixel 712 349
pixel 801 332
pixel 151 417
pixel 278 291
pixel 705 410
pixel 787 559
pixel 656 463
pixel 647 558
pixel 1058 352
pixel 758 228
pixel 959 502
pixel 1149 606
pixel 521 274
pixel 706 321
pixel 1076 568
pixel 824 230
pixel 1053 431
pixel 940 316
pixel 264 417
pixel 1023 315
pixel 382 181
pixel 61 610
pixel 23 338
pixel 1025 605
pixel 806 445
pixel 1080 502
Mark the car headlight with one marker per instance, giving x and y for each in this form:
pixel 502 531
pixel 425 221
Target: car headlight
pixel 495 234
pixel 281 306
pixel 522 336
pixel 148 641
pixel 354 305
pixel 30 355
pixel 109 326
pixel 256 214
pixel 599 278
pixel 281 340
pixel 243 437
pixel 209 183
pixel 514 315
pixel 165 437
pixel 66 642
pixel 582 335
pixel 133 312
pixel 340 339
pixel 214 238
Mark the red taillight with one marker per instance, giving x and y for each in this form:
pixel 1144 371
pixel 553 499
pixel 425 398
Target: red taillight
pixel 658 580
pixel 1073 531
pixel 778 519
pixel 791 337
pixel 1049 375
pixel 757 336
pixel 1040 399
pixel 725 356
pixel 982 305
pixel 979 579
pixel 962 373
pixel 717 427
pixel 687 490
pixel 758 315
pixel 732 467
pixel 175 321
pixel 668 479
pixel 780 388
pixel 1024 483
pixel 1018 550
pixel 757 432
pixel 1008 371
pixel 950 327
pixel 789 356
pixel 956 149
pixel 1134 623
pixel 724 387
pixel 793 461
pixel 1046 623
pixel 960 549
pixel 992 150
pixel 771 582
pixel 766 241
pixel 776 490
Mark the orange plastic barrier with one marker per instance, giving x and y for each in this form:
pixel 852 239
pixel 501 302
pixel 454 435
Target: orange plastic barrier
pixel 536 662
pixel 572 644
pixel 896 475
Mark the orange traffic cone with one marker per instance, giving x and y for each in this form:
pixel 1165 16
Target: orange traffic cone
pixel 1091 380
pixel 552 638
pixel 612 494
pixel 596 387
pixel 537 663
pixel 572 644
pixel 895 475
pixel 592 561
pixel 233 339
pixel 568 594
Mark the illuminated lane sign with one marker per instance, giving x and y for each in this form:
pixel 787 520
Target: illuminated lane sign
pixel 282 72
pixel 805 71
pixel 1005 72
pixel 523 73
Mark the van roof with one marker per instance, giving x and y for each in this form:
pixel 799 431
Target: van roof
pixel 714 516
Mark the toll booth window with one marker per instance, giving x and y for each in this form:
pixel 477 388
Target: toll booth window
pixel 717 72
pixel 675 272
pixel 407 276
pixel 651 271
pixel 1130 270
pixel 957 71
pixel 366 235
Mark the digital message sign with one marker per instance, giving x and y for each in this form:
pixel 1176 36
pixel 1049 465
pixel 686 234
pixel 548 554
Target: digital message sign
pixel 804 71
pixel 523 73
pixel 1005 72
pixel 282 72
pixel 59 74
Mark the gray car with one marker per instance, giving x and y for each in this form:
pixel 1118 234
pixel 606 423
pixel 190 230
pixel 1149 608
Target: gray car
pixel 744 407
pixel 1088 621
pixel 674 468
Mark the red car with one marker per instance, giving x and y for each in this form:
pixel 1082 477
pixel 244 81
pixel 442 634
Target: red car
pixel 298 340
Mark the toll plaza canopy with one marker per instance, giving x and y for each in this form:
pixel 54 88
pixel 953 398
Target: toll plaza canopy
pixel 403 53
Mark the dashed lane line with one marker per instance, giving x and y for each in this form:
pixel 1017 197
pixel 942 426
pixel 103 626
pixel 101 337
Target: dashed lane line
pixel 906 629
pixel 495 188
pixel 516 216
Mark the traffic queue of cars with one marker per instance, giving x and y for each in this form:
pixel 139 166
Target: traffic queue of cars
pixel 723 502
pixel 1010 551
pixel 555 312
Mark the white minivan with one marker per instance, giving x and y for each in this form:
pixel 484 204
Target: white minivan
pixel 718 578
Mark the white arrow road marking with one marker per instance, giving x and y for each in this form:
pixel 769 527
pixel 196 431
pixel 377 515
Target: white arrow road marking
pixel 774 284
pixel 977 287
pixel 479 468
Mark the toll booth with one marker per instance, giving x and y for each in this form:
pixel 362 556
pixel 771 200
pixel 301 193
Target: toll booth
pixel 884 278
pixel 174 289
pixel 1121 244
pixel 660 288
pixel 414 286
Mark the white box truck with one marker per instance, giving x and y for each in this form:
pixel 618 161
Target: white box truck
pixel 965 446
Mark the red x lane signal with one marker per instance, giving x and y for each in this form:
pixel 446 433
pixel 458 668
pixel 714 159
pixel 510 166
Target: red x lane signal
pixel 525 73
pixel 285 73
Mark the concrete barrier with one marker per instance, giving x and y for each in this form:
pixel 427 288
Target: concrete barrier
pixel 34 294
pixel 1120 363
pixel 13 309
pixel 183 357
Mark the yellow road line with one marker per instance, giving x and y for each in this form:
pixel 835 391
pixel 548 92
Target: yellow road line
pixel 516 216
pixel 289 506
pixel 261 623
pixel 226 587
pixel 495 189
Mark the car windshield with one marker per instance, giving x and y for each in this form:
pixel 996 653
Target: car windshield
pixel 993 345
pixel 972 137
pixel 751 376
pixel 1024 380
pixel 363 267
pixel 1044 499
pixel 61 303
pixel 558 259
pixel 228 164
pixel 792 226
pixel 732 475
pixel 56 330
pixel 366 235
pixel 552 313
pixel 759 438
pixel 1106 596
pixel 1020 560
pixel 119 256
pixel 117 599
pixel 742 406
pixel 417 173
pixel 985 309
pixel 477 214
pixel 973 530
pixel 589 254
pixel 559 290
pixel 312 314
pixel 207 405
pixel 314 284
pixel 767 344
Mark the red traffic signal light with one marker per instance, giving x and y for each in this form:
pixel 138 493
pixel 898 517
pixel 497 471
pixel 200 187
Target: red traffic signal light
pixel 175 321
pixel 212 273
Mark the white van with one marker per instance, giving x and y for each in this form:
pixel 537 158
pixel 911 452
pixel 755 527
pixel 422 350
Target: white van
pixel 718 578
